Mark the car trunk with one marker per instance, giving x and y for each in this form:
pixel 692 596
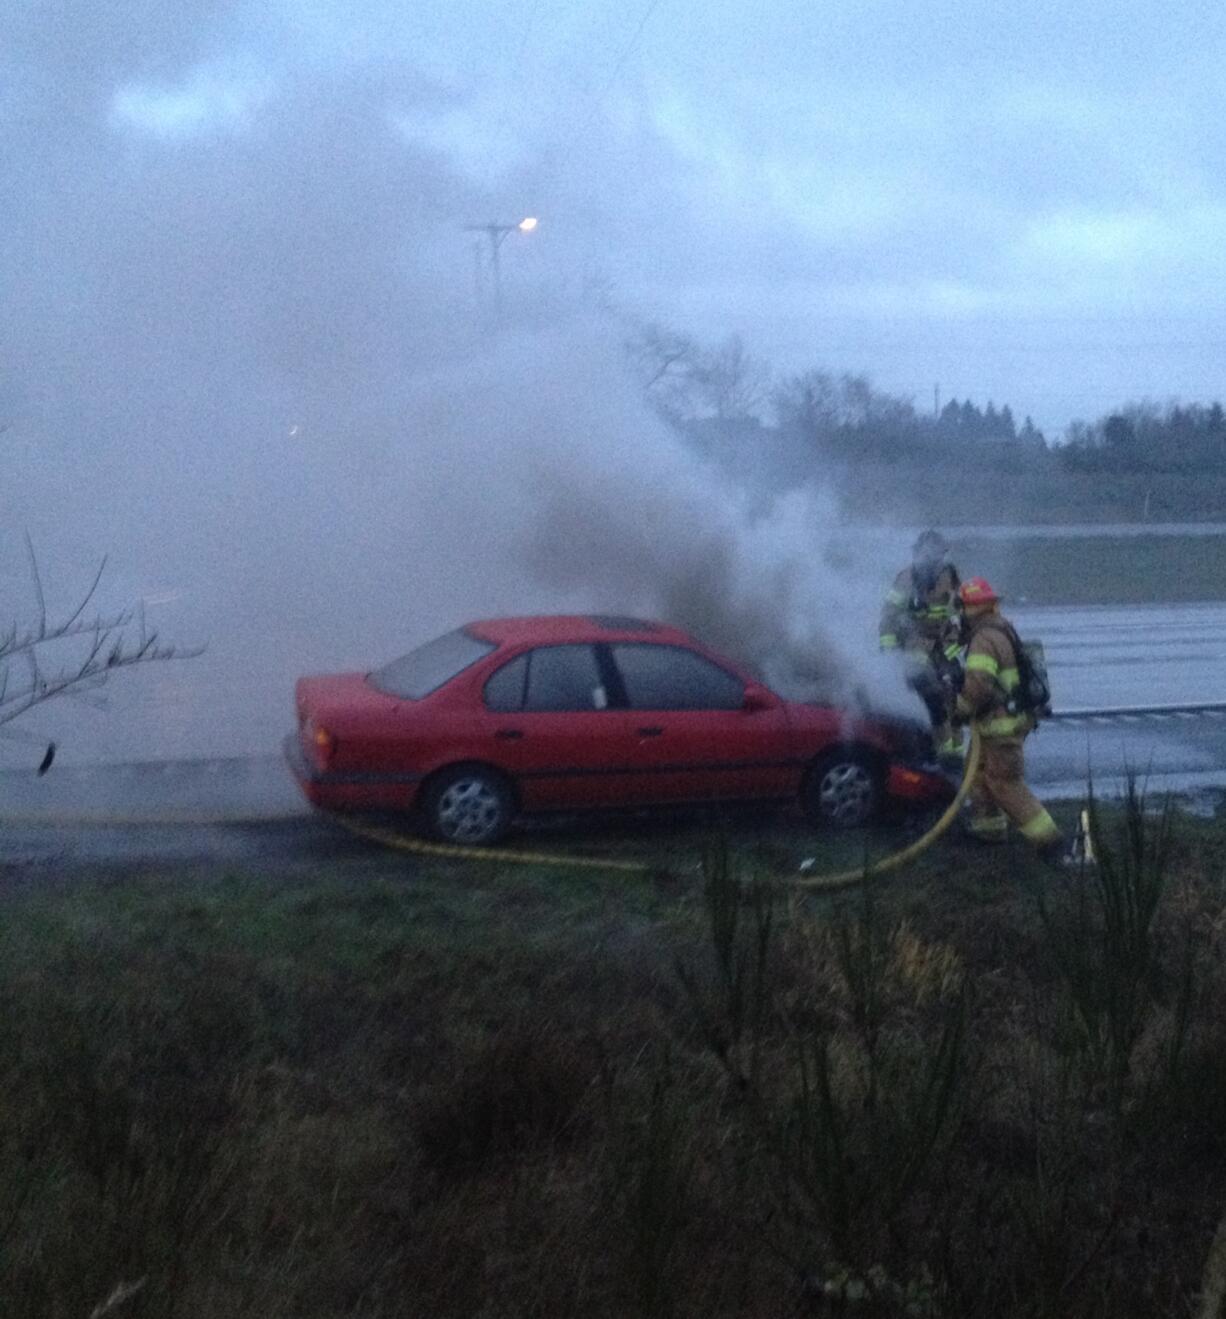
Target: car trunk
pixel 338 712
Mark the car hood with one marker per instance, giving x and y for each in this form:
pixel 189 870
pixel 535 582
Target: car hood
pixel 897 735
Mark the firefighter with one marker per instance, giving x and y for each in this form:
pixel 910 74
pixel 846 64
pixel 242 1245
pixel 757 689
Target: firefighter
pixel 989 698
pixel 920 619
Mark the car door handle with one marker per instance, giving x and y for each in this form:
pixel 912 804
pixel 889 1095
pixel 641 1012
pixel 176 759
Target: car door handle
pixel 509 734
pixel 650 732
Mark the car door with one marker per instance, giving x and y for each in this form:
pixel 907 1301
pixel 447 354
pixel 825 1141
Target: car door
pixel 697 739
pixel 549 721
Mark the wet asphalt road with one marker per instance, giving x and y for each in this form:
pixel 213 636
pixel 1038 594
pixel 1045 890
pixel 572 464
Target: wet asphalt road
pixel 1136 656
pixel 247 810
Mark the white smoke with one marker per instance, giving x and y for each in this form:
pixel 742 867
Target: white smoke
pixel 244 363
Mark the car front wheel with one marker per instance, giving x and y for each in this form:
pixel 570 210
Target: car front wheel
pixel 843 790
pixel 470 806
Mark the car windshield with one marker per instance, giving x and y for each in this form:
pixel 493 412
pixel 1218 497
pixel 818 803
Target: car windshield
pixel 427 668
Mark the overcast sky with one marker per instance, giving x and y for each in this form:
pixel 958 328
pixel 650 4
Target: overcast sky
pixel 1022 202
pixel 241 349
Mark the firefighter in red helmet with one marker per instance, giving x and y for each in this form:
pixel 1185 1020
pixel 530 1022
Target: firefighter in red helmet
pixel 990 699
pixel 920 618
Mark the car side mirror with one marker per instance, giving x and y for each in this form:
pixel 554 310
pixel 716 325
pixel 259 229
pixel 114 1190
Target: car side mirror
pixel 757 698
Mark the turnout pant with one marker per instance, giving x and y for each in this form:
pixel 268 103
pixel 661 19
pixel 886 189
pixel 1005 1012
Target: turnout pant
pixel 938 700
pixel 1000 797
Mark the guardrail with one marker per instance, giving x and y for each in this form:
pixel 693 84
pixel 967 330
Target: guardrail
pixel 1111 711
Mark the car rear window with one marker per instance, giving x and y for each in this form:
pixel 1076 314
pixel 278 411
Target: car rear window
pixel 427 668
pixel 504 692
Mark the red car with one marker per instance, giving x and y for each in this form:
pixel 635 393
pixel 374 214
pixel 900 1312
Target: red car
pixel 518 715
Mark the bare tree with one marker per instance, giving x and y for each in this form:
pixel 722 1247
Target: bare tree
pixel 816 403
pixel 664 362
pixel 730 382
pixel 33 668
pixel 686 380
pixel 809 403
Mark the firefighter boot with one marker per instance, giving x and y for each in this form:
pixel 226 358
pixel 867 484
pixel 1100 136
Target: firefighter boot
pixel 951 753
pixel 1076 855
pixel 988 826
pixel 1060 855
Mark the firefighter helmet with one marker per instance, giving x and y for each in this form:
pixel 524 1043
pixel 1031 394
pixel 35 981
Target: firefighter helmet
pixel 930 544
pixel 976 591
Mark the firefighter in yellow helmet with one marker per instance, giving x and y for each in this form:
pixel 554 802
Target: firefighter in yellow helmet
pixel 920 618
pixel 999 795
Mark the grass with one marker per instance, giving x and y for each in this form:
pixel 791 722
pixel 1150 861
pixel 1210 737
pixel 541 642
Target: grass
pixel 372 1088
pixel 1097 570
pixel 1021 495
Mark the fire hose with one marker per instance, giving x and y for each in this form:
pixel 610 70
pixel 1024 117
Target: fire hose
pixel 838 879
pixel 846 878
pixel 400 842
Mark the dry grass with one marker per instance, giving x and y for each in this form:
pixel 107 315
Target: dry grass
pixel 508 1094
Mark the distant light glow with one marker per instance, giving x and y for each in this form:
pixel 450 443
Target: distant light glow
pixel 528 223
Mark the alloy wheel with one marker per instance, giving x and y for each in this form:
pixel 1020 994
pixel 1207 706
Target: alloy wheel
pixel 846 793
pixel 470 810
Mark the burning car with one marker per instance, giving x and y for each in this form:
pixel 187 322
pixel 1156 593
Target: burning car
pixel 515 716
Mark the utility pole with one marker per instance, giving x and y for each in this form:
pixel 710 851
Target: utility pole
pixel 936 402
pixel 497 233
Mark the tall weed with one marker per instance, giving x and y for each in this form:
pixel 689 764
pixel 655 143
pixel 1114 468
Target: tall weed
pixel 856 1139
pixel 733 1003
pixel 652 1164
pixel 862 1088
pixel 133 1091
pixel 1101 936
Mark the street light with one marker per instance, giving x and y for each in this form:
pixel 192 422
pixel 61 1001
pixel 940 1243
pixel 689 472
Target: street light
pixel 496 234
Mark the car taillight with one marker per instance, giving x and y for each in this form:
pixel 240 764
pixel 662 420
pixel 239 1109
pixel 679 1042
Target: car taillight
pixel 320 743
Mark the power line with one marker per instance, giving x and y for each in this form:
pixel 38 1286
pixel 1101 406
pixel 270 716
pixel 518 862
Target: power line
pixel 620 62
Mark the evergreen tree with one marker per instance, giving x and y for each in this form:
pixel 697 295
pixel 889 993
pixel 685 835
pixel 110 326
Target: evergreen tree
pixel 1031 435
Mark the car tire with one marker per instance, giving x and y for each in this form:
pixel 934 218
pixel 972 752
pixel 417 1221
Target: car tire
pixel 844 789
pixel 469 806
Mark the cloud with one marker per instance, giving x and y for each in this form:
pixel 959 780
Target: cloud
pixel 209 98
pixel 1102 239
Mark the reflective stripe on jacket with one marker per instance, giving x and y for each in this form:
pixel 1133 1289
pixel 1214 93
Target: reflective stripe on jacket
pixel 992 678
pixel 915 617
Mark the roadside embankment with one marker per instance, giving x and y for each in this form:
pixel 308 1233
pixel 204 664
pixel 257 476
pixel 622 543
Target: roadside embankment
pixel 321 1089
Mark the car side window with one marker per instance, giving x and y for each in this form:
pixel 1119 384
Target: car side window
pixel 565 678
pixel 672 678
pixel 504 689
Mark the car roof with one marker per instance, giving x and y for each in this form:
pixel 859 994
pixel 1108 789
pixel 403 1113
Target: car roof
pixel 544 629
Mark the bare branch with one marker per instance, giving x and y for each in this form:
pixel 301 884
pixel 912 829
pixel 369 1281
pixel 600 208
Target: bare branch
pixel 89 595
pixel 91 673
pixel 14 643
pixel 32 659
pixel 112 641
pixel 38 587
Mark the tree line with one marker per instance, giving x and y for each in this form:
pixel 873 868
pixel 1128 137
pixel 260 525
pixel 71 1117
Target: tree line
pixel 723 393
pixel 1145 438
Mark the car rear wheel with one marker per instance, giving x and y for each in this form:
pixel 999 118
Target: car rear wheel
pixel 469 805
pixel 844 789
